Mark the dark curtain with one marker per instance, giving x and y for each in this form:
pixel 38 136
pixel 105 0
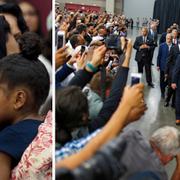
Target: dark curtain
pixel 168 12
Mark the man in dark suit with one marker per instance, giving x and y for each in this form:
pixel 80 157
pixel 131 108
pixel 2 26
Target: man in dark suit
pixel 175 36
pixel 154 36
pixel 144 44
pixel 176 86
pixel 171 61
pixel 163 36
pixel 163 53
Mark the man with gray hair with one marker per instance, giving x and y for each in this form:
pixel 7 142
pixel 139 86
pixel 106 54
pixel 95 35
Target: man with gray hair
pixel 131 157
pixel 164 50
pixel 166 143
pixel 142 157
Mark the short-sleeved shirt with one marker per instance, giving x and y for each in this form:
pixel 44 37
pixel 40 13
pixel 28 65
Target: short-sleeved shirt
pixel 74 146
pixel 15 138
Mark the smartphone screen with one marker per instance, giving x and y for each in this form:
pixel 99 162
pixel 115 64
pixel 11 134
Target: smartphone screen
pixel 60 39
pixel 83 48
pixel 135 78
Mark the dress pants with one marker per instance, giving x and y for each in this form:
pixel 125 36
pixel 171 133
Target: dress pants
pixel 171 93
pixel 141 65
pixel 163 84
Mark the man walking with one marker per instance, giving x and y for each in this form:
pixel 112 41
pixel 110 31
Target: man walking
pixel 144 44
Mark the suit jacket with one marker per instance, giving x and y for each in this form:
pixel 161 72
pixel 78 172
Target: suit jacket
pixel 176 73
pixel 153 37
pixel 176 41
pixel 171 60
pixel 143 54
pixel 163 38
pixel 162 56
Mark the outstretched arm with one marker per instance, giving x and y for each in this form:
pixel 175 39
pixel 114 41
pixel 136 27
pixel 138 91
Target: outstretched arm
pixel 85 75
pixel 111 103
pixel 132 98
pixel 176 174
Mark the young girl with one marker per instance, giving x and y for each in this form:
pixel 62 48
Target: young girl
pixel 24 86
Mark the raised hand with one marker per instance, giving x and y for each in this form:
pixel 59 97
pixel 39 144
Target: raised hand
pixel 61 56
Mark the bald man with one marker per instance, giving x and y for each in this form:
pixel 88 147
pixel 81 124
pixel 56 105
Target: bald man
pixel 144 44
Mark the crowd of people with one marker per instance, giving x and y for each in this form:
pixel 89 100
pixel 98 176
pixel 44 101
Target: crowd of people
pixel 94 104
pixel 25 97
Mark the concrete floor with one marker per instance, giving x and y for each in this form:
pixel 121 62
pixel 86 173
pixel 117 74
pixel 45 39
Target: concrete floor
pixel 157 115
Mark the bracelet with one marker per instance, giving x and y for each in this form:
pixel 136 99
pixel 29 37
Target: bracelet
pixel 91 67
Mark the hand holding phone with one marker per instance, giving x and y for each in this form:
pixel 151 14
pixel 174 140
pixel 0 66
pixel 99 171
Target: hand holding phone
pixel 61 40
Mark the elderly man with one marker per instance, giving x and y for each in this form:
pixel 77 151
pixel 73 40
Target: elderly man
pixel 141 155
pixel 163 53
pixel 131 157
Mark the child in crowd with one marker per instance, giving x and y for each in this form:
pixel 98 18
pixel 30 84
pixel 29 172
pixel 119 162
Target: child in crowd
pixel 24 87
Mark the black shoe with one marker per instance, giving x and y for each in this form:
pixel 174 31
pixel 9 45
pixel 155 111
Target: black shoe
pixel 151 85
pixel 166 104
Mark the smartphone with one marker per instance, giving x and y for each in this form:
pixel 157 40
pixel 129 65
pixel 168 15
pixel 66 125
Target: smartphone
pixel 112 42
pixel 136 78
pixel 83 48
pixel 61 40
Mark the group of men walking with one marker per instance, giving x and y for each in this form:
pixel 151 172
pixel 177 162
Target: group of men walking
pixel 168 62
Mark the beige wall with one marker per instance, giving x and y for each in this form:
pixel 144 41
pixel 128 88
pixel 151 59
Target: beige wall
pixel 100 3
pixel 118 7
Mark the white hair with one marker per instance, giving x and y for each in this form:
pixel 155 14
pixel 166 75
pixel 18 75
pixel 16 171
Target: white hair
pixel 169 34
pixel 167 140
